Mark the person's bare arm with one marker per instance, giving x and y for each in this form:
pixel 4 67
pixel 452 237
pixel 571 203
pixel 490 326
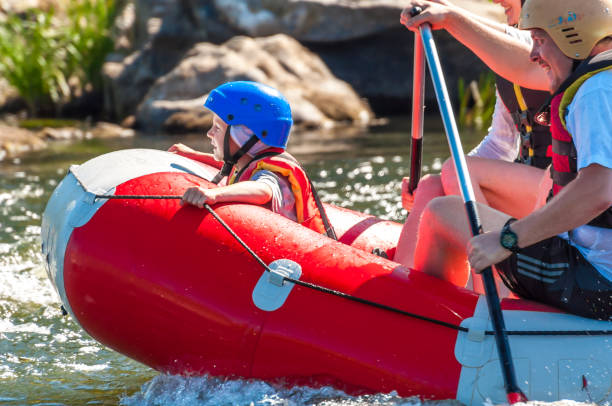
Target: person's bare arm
pixel 187 152
pixel 579 202
pixel 504 54
pixel 245 192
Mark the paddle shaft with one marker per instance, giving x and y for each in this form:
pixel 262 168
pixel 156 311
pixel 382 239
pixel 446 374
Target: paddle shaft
pixel 418 107
pixel 513 392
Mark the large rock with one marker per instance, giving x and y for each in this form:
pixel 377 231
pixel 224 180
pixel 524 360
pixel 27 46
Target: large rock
pixel 322 21
pixel 360 41
pixel 310 20
pixel 317 98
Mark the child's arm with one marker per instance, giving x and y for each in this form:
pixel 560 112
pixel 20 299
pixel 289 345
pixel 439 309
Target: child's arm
pixel 245 192
pixel 184 150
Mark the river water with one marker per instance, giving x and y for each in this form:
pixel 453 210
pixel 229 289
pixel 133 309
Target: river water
pixel 46 359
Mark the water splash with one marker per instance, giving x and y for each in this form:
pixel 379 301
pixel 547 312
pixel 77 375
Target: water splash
pixel 170 390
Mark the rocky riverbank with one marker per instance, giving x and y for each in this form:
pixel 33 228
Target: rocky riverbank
pixel 339 62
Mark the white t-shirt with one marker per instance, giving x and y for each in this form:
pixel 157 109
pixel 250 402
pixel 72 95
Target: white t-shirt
pixel 588 120
pixel 503 139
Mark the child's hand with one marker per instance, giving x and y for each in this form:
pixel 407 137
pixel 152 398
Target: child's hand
pixel 197 196
pixel 181 149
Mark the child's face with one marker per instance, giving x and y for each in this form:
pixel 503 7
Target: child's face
pixel 216 135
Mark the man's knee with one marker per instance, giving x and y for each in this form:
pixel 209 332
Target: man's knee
pixel 448 167
pixel 445 204
pixel 448 177
pixel 441 207
pixel 430 183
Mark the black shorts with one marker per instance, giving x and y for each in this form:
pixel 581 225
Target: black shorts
pixel 554 272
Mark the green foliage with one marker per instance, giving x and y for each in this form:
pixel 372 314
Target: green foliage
pixel 37 124
pixel 477 101
pixel 39 55
pixel 90 23
pixel 34 58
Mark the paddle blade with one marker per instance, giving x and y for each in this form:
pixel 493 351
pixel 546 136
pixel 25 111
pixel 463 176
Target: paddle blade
pixel 516 397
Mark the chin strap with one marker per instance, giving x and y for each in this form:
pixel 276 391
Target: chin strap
pixel 230 161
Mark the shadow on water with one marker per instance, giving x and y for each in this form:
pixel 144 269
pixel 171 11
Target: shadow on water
pixel 48 359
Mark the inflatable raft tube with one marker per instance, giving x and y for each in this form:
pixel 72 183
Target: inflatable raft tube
pixel 169 286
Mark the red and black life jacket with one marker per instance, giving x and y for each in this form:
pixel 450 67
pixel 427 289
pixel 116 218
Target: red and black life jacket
pixel 564 160
pixel 282 163
pixel 523 104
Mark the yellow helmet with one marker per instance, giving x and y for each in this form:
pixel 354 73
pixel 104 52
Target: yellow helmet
pixel 574 25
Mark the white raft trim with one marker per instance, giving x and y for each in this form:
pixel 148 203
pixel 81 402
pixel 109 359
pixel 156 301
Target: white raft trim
pixel 272 290
pixel 73 202
pixel 548 368
pixel 70 206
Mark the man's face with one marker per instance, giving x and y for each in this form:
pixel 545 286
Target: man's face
pixel 550 58
pixel 512 8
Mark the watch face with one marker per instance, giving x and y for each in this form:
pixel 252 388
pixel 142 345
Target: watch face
pixel 508 240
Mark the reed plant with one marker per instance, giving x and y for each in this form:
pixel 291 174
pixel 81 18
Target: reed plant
pixel 41 52
pixel 477 101
pixel 35 58
pixel 89 33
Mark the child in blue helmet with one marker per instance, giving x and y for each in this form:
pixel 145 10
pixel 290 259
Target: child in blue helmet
pixel 251 125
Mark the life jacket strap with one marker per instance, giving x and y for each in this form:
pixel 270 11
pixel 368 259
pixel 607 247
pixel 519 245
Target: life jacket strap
pixel 230 161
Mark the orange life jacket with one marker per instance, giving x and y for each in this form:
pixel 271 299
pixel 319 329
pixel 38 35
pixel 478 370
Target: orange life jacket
pixel 282 163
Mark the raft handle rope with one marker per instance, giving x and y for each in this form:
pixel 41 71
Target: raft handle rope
pixel 354 298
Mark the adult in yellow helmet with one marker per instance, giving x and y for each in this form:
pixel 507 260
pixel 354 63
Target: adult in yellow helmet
pixel 561 254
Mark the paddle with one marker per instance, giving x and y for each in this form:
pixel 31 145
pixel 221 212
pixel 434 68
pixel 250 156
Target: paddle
pixel 418 91
pixel 513 392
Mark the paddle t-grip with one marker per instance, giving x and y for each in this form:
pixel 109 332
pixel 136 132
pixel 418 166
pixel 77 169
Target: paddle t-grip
pixel 415 11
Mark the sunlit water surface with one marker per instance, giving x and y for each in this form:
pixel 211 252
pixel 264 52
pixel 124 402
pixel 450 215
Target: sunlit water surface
pixel 46 359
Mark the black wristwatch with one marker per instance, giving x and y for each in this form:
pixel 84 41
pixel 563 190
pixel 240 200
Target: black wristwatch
pixel 508 238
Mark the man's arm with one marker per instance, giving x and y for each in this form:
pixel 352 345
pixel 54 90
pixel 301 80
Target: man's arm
pixel 505 55
pixel 583 199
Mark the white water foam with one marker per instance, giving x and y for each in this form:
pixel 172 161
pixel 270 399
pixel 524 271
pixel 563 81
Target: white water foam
pixel 171 390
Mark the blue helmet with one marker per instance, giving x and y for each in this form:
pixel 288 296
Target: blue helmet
pixel 263 109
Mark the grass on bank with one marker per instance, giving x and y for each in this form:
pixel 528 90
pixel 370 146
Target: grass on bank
pixel 49 58
pixel 477 101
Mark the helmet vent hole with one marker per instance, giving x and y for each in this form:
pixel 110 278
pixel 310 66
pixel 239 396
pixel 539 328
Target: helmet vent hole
pixel 244 100
pixel 264 133
pixel 257 107
pixel 571 35
pixel 230 117
pixel 576 41
pixel 567 29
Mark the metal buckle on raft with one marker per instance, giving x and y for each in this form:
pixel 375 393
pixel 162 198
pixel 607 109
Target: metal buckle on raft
pixel 279 273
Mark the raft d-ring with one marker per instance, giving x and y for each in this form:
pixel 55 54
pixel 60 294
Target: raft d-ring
pixel 272 289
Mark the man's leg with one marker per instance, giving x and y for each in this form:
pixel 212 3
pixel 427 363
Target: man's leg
pixel 443 235
pixel 506 186
pixel 429 188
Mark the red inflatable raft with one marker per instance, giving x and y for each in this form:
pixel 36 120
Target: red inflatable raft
pixel 169 286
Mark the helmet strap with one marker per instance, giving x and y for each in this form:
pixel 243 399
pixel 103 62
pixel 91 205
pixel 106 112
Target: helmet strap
pixel 230 161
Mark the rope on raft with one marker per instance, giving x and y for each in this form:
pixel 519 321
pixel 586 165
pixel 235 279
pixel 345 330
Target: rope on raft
pixel 360 300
